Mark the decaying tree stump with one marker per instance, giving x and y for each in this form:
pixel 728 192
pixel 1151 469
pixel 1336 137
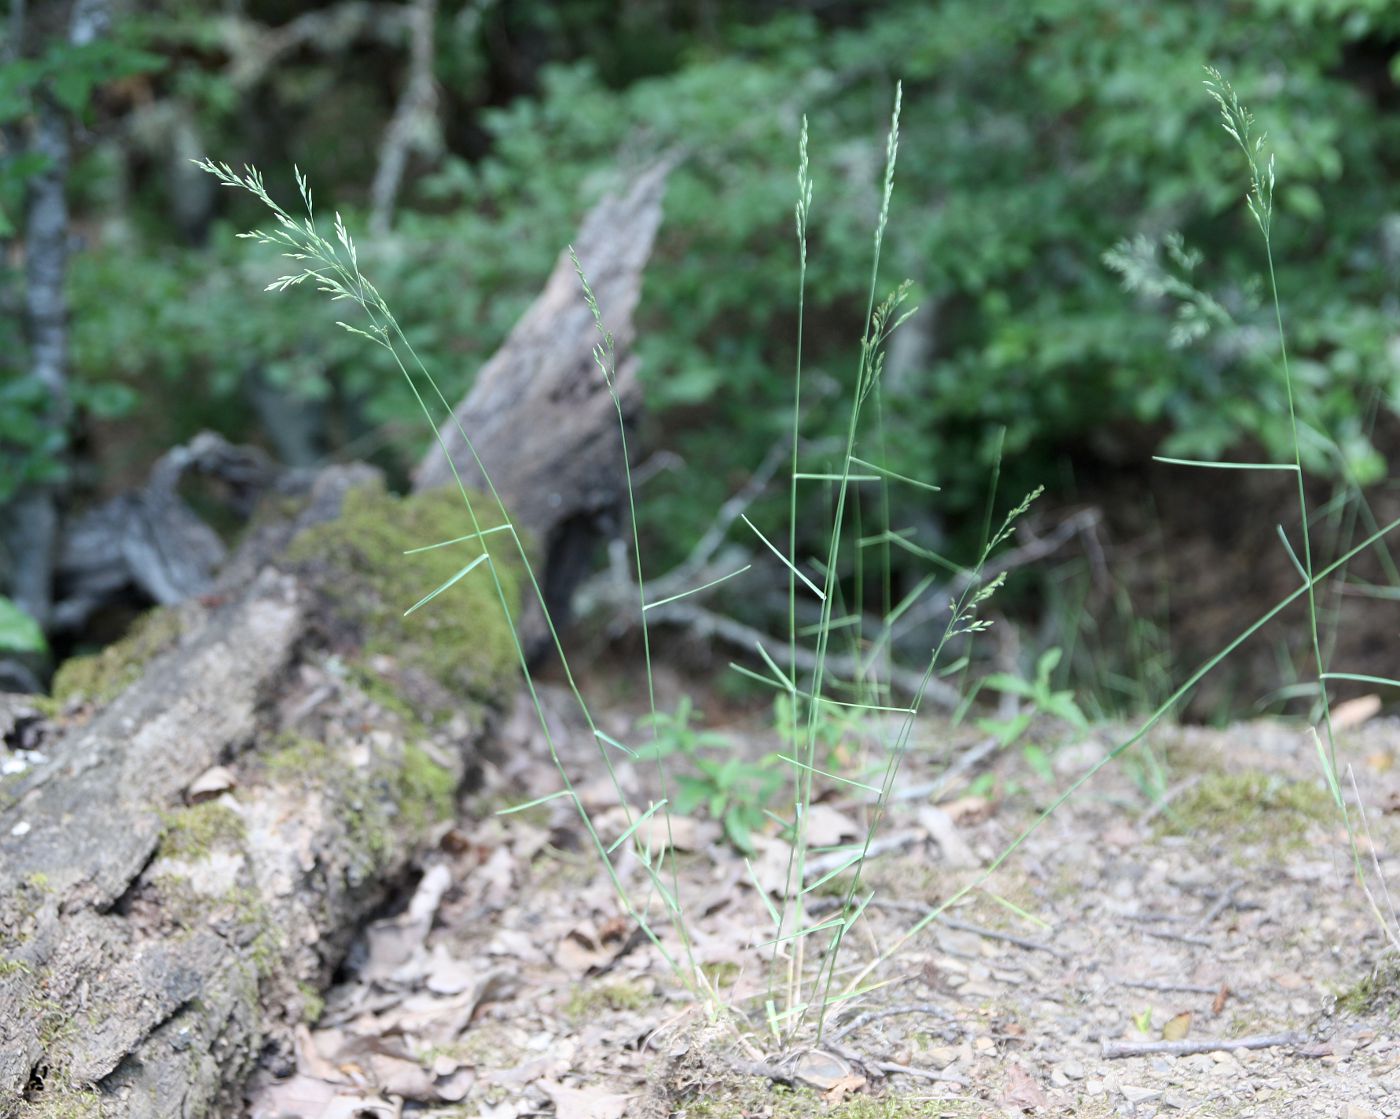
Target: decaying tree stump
pixel 539 414
pixel 190 837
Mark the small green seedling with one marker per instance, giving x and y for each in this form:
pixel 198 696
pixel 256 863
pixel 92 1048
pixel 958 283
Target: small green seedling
pixel 1042 699
pixel 731 789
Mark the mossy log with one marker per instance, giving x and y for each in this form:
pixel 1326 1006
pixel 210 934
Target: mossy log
pixel 195 824
pixel 199 826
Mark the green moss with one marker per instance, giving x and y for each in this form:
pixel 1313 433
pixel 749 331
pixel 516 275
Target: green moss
pixel 313 1003
pixel 756 1097
pixel 588 1001
pixel 1252 806
pixel 14 967
pixel 295 757
pixel 427 791
pixel 461 639
pixel 721 974
pixel 190 833
pixel 64 1101
pixel 363 810
pixel 1378 990
pixel 382 693
pixel 103 676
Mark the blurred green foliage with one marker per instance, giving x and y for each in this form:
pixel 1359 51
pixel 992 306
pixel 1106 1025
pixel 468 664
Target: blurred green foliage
pixel 1037 137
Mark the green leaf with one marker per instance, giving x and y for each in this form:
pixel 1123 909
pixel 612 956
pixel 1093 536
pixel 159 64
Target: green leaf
pixel 19 633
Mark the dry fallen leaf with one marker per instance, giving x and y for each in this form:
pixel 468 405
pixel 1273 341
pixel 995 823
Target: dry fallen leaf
pixel 843 1088
pixel 213 781
pixel 941 829
pixel 1177 1027
pixel 827 826
pixel 310 1098
pixel 816 1068
pixel 1022 1092
pixel 1353 712
pixel 1218 1004
pixel 583 1103
pixel 965 811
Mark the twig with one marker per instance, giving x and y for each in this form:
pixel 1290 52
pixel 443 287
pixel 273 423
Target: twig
pixel 869 1016
pixel 1225 901
pixel 1164 802
pixel 1009 938
pixel 255 49
pixel 414 119
pixel 964 762
pixel 1184 938
pixel 965 926
pixel 1161 985
pixel 880 845
pixel 706 623
pixel 926 1074
pixel 709 542
pixel 1036 549
pixel 1116 1049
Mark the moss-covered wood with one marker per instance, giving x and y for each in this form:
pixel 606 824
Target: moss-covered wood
pixel 154 944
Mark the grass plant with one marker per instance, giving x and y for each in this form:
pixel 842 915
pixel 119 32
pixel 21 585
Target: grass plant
pixel 803 982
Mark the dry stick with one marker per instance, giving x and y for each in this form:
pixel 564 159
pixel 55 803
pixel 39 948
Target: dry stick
pixel 1184 938
pixel 872 1015
pixel 965 926
pixel 1115 1049
pixel 707 623
pixel 1038 548
pixel 254 50
pixel 894 841
pixel 964 762
pixel 926 1074
pixel 414 115
pixel 1160 985
pixel 1225 901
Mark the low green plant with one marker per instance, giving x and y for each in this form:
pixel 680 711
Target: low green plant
pixel 19 633
pixel 732 789
pixel 1042 698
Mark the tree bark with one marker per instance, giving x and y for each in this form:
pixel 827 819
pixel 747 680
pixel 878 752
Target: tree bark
pixel 33 536
pixel 183 865
pixel 180 868
pixel 539 415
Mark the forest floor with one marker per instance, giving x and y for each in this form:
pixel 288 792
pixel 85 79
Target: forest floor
pixel 513 983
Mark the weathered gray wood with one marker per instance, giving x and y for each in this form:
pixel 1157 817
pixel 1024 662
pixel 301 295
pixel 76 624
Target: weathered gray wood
pixel 142 971
pixel 84 983
pixel 149 539
pixel 154 946
pixel 539 414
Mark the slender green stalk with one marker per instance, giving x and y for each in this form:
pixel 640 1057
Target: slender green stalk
pixel 865 373
pixel 1151 721
pixel 605 357
pixel 801 215
pixel 301 242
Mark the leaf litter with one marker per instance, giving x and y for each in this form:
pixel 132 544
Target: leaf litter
pixel 512 983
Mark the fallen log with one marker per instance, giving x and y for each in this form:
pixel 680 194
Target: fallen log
pixel 195 825
pixel 183 864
